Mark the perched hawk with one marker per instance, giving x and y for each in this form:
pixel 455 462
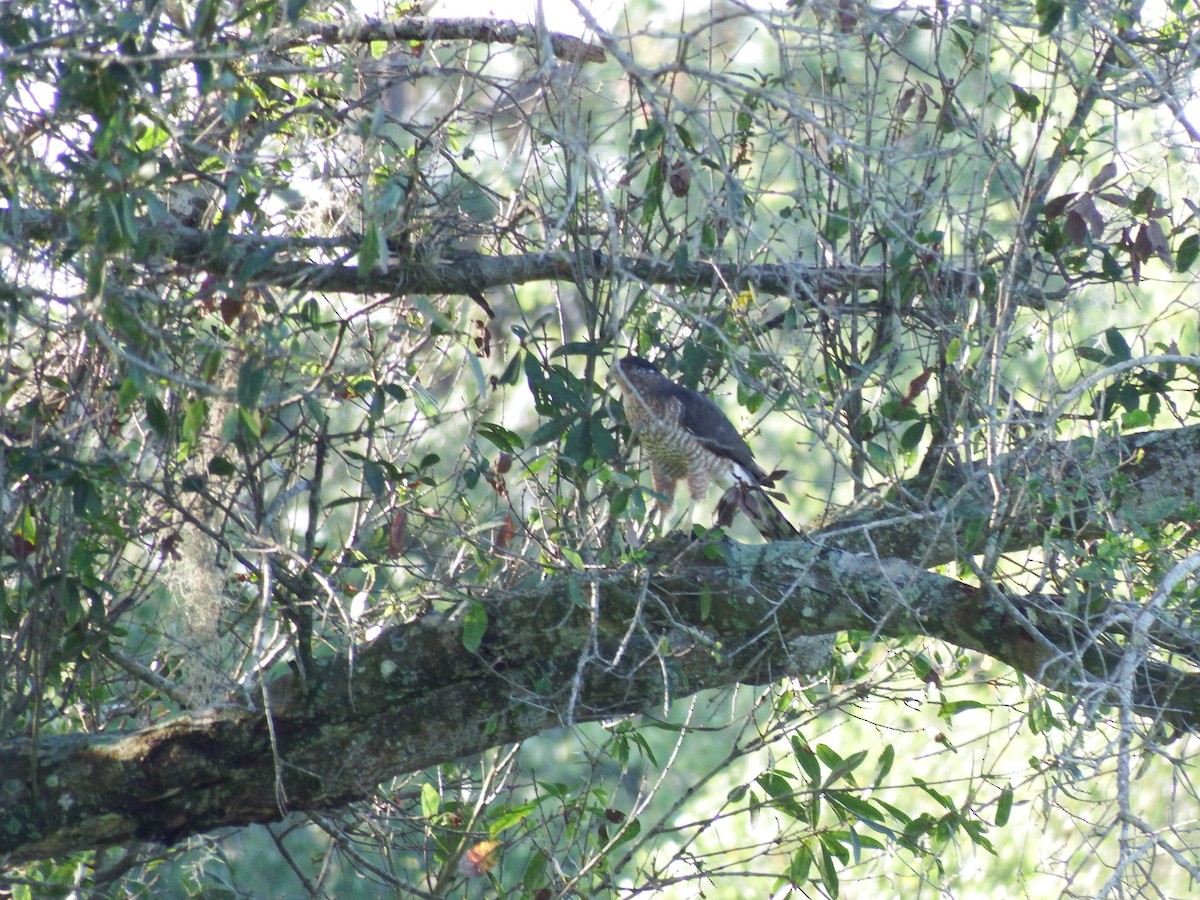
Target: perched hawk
pixel 685 435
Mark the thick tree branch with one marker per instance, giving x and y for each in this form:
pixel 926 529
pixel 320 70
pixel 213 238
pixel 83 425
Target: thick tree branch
pixel 416 697
pixel 284 263
pixel 419 28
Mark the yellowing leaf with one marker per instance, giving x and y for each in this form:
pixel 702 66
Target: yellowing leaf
pixel 480 859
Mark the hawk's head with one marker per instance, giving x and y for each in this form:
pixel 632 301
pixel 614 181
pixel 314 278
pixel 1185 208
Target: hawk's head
pixel 637 371
pixel 632 364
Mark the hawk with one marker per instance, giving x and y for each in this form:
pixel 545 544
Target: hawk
pixel 686 436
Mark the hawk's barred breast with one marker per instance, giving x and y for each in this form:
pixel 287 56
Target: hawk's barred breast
pixel 684 434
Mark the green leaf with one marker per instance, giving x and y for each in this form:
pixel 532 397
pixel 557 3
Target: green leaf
pixel 829 875
pixel 500 437
pixel 370 251
pixel 578 348
pixel 886 758
pixel 1110 268
pixel 648 138
pixel 976 830
pixel 156 415
pixel 653 193
pixel 1136 418
pixel 219 465
pixel 856 806
pixel 549 431
pixel 430 801
pixel 685 137
pixel 1117 345
pixel 628 833
pixel 1049 13
pixel 373 475
pixel 1188 250
pixel 911 438
pixel 117 222
pixel 535 873
pixel 211 365
pixel 775 784
pixel 1027 104
pixel 128 392
pixel 475 621
pixel 936 795
pixel 800 865
pixel 27 526
pixel 439 323
pixel 837 226
pixel 425 401
pixel 879 456
pixel 783 794
pixel 193 420
pixel 894 811
pixel 806 758
pixel 253 262
pixel 206 73
pixel 577 448
pixel 644 746
pixel 679 259
pixel 250 422
pixel 953 351
pixel 84 498
pixel 295 8
pixel 251 378
pixel 619 502
pixel 205 20
pixel 1004 807
pixel 510 817
pixel 953 708
pixel 192 483
pixel 604 443
pixel 377 405
pixel 844 768
pixel 1145 201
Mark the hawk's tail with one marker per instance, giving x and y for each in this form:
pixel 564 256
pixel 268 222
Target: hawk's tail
pixel 767 518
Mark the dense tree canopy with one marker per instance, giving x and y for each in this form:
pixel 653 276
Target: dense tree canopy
pixel 320 511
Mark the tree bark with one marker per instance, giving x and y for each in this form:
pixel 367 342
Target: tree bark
pixel 418 28
pixel 288 263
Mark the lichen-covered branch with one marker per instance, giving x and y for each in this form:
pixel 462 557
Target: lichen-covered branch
pixel 289 263
pixel 419 28
pixel 691 620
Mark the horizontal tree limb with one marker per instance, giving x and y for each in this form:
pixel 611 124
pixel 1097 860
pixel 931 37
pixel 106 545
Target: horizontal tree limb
pixel 419 28
pixel 285 263
pixel 415 697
